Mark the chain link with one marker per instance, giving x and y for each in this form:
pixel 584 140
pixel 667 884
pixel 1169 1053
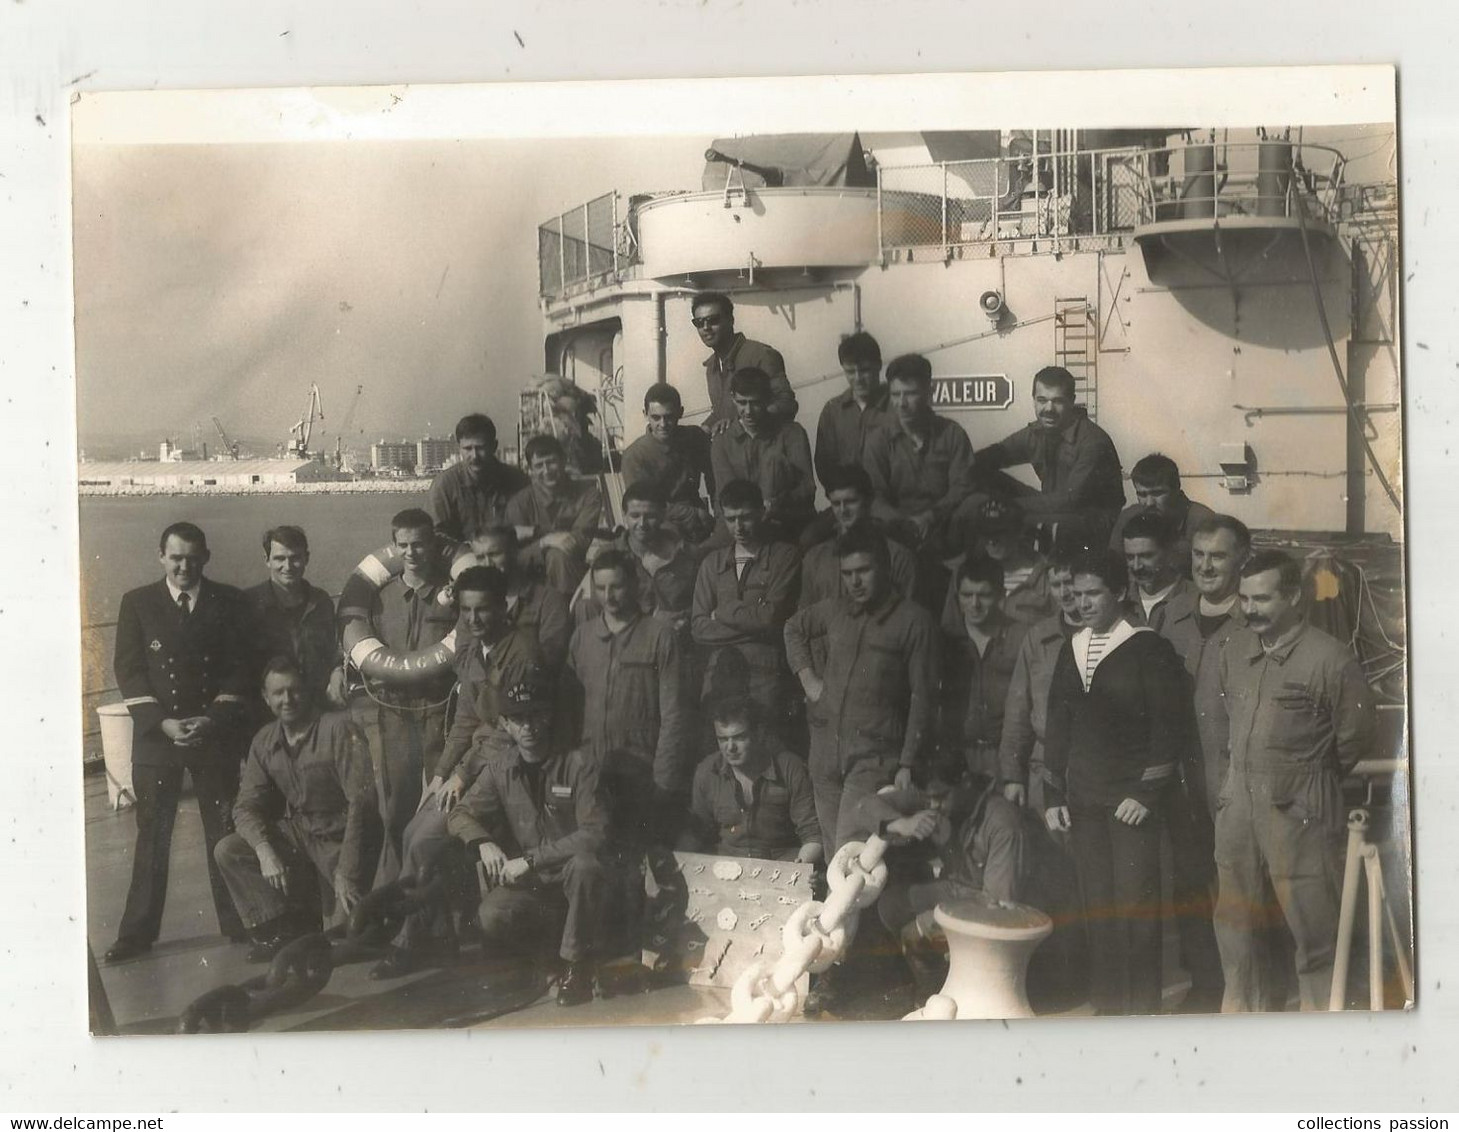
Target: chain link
pixel 815 936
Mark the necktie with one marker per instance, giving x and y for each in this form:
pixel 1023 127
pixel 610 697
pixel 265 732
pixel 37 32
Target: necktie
pixel 184 602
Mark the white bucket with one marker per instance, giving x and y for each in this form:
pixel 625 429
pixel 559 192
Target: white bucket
pixel 116 753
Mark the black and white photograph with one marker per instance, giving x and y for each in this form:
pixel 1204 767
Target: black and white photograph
pixel 786 575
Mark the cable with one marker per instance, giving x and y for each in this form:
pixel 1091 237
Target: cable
pixel 1358 417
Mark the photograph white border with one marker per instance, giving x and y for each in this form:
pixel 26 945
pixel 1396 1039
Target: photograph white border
pixel 1359 1063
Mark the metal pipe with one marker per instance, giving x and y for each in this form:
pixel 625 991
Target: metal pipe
pixel 661 339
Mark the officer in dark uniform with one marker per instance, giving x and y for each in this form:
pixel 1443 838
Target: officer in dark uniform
pixel 182 663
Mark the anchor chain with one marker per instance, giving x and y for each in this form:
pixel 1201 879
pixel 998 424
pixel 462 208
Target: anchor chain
pixel 302 968
pixel 815 936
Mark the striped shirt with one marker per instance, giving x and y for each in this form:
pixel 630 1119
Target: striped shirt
pixel 1098 643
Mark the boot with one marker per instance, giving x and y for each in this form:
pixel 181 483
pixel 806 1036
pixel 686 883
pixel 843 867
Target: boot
pixel 576 986
pixel 269 939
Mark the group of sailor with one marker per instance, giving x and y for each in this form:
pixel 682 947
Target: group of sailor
pixel 1036 695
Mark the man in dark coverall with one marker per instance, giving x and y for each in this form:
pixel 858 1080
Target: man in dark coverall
pixel 1301 716
pixel 293 618
pixel 1075 460
pixel 313 768
pixel 555 516
pixel 676 458
pixel 532 604
pixel 742 596
pixel 473 493
pixel 714 318
pixel 410 613
pixel 183 663
pixel 624 682
pixel 751 798
pixel 536 820
pixel 872 705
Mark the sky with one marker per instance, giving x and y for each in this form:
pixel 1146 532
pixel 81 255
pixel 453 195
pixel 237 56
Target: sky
pixel 220 280
pixel 223 279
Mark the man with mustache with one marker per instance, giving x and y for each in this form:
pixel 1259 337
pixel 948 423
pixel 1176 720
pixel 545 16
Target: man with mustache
pixel 1075 461
pixel 1301 716
pixel 472 494
pixel 1156 579
pixel 1156 481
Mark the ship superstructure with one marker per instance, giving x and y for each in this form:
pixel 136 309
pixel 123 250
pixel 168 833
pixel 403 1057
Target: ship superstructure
pixel 1228 298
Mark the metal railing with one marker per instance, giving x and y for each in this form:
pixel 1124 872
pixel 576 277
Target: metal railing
pixel 1058 195
pixel 591 241
pixel 1256 179
pixel 1051 195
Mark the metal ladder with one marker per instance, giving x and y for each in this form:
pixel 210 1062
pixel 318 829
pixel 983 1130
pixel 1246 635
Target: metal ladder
pixel 1076 348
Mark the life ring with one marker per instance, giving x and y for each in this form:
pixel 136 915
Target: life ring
pixel 366 651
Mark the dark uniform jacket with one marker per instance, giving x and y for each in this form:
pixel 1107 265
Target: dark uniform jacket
pixel 1300 713
pixel 173 667
pixel 1125 736
pixel 778 819
pixel 910 482
pixel 678 467
pixel 667 593
pixel 777 460
pixel 410 620
pixel 628 692
pixel 483 682
pixel 845 428
pixel 464 509
pixel 576 508
pixel 325 788
pixel 1025 712
pixel 1187 516
pixel 1184 592
pixel 548 821
pixel 820 572
pixel 1029 602
pixel 747 612
pixel 978 842
pixel 975 688
pixel 305 632
pixel 746 353
pixel 542 611
pixel 880 676
pixel 1077 467
pixel 1180 625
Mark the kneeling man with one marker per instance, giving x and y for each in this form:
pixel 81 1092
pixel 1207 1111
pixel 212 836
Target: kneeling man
pixel 314 768
pixel 535 818
pixel 752 798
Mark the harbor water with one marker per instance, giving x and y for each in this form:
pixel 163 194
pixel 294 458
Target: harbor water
pixel 119 552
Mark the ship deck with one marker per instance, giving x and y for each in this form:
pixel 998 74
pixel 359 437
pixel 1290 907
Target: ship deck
pixel 147 995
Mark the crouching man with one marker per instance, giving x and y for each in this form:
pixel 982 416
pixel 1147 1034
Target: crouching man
pixel 951 838
pixel 752 798
pixel 536 820
pixel 314 767
pixel 957 836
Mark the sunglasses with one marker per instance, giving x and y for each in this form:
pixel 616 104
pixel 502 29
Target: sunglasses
pixel 706 322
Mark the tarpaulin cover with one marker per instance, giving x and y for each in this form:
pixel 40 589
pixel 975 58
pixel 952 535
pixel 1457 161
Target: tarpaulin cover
pixel 801 159
pixel 962 145
pixel 1354 590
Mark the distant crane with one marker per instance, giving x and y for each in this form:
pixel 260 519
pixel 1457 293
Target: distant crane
pixel 229 446
pixel 349 420
pixel 302 429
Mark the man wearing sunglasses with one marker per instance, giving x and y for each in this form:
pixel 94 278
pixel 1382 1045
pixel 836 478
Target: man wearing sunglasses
pixel 714 318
